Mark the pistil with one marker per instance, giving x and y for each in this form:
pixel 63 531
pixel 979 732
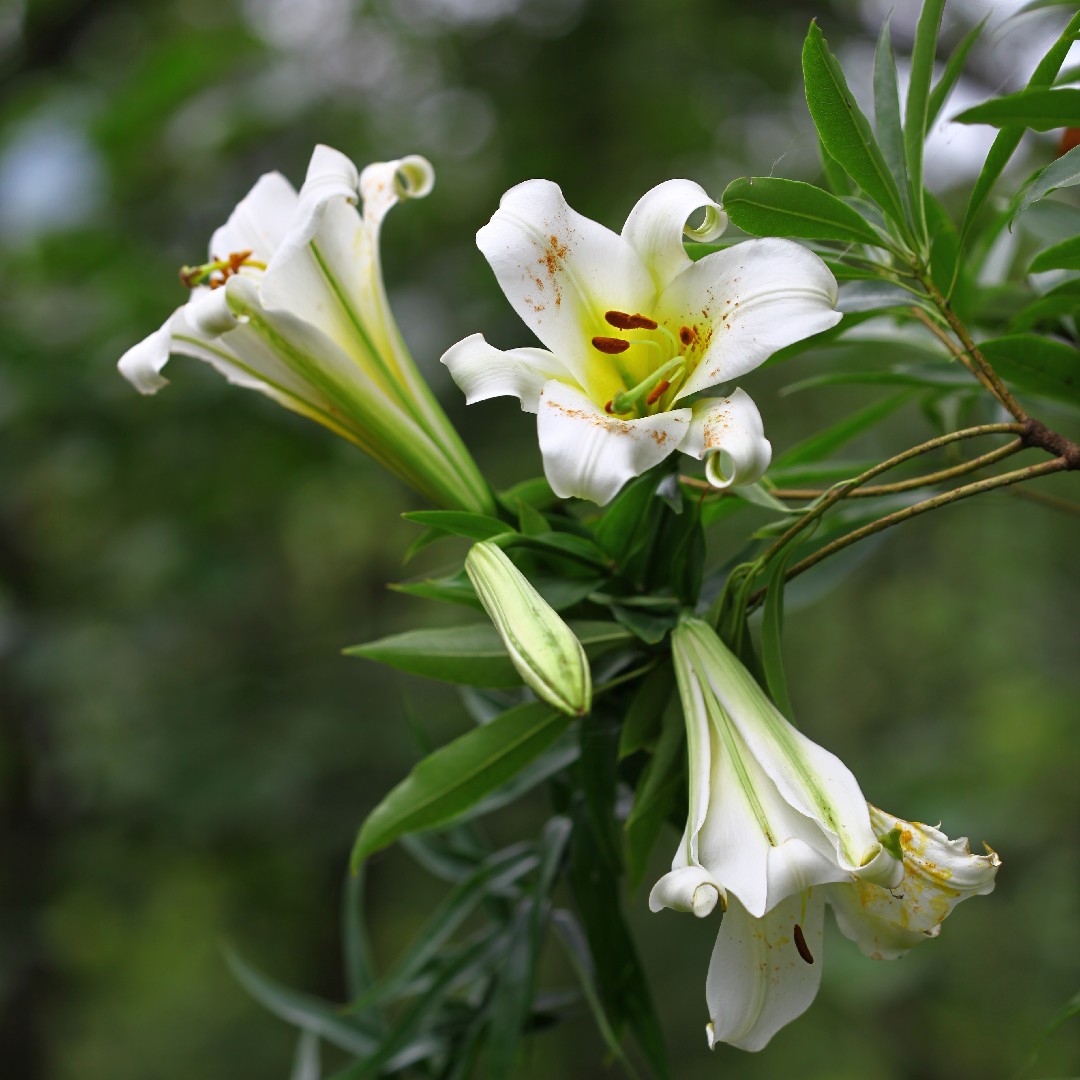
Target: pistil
pixel 649 390
pixel 216 272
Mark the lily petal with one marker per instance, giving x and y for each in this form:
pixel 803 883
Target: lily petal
pixel 759 979
pixel 260 221
pixel 754 298
pixel 689 888
pixel 590 454
pixel 938 874
pixel 481 371
pixel 729 434
pixel 659 223
pixel 562 272
pixel 806 776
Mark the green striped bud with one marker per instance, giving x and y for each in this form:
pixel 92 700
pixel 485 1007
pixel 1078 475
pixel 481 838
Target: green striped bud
pixel 547 655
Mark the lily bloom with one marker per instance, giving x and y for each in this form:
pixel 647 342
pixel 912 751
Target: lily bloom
pixel 634 331
pixel 292 303
pixel 777 827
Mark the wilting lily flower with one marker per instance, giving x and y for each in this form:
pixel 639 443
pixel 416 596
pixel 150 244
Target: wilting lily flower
pixel 292 303
pixel 777 826
pixel 633 329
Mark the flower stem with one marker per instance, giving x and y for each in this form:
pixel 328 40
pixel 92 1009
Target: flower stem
pixel 1043 468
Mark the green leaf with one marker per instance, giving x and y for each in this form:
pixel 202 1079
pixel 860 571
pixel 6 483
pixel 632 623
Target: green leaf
pixel 642 722
pixel 473 655
pixel 625 525
pixel 954 66
pixel 304 1011
pixel 890 129
pixel 918 102
pixel 456 776
pixel 1063 299
pixel 1040 109
pixel 530 521
pixel 1064 172
pixel 359 969
pixel 823 443
pixel 624 989
pixel 861 296
pixel 536 492
pixel 767 206
pixel 598 738
pixel 513 993
pixel 842 127
pixel 453 589
pixel 1008 139
pixel 460 523
pixel 660 791
pixel 306 1062
pixel 835 177
pixel 772 637
pixel 1037 365
pixel 493 877
pixel 1063 256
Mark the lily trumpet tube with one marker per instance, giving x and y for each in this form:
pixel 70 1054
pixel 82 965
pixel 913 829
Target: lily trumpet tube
pixel 778 827
pixel 291 302
pixel 635 334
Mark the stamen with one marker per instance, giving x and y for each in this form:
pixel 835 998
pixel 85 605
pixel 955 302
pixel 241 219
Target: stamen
pixel 610 345
pixel 661 389
pixel 217 271
pixel 687 336
pixel 630 322
pixel 627 400
pixel 800 944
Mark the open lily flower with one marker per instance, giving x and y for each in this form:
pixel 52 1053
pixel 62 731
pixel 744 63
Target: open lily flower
pixel 292 303
pixel 633 330
pixel 777 827
pixel 765 972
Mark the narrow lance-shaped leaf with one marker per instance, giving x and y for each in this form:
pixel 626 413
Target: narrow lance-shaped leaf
pixel 890 129
pixel 1041 109
pixel 842 127
pixel 458 775
pixel 832 438
pixel 1037 365
pixel 1008 139
pixel 918 102
pixel 772 637
pixel 953 68
pixel 1063 256
pixel 1064 172
pixel 769 206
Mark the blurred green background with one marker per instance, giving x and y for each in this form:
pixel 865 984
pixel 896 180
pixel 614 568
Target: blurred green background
pixel 185 756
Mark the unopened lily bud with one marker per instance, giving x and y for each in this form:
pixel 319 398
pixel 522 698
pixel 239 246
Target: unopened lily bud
pixel 545 651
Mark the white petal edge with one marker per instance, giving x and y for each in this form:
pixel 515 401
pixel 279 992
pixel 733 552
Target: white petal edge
pixel 688 888
pixel 482 372
pixel 755 298
pixel 383 184
pixel 589 454
pixel 659 223
pixel 758 981
pixel 729 434
pixel 561 272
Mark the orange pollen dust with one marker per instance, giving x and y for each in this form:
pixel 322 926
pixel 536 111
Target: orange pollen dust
pixel 659 391
pixel 610 345
pixel 630 322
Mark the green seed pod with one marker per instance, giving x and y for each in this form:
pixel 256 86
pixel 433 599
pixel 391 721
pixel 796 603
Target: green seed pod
pixel 542 647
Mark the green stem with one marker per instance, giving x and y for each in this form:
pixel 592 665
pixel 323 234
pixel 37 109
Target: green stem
pixel 842 490
pixel 1044 468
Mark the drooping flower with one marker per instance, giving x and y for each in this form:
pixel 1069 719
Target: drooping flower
pixel 777 827
pixel 292 303
pixel 633 330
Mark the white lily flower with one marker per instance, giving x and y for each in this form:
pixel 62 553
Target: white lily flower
pixel 292 304
pixel 777 827
pixel 633 328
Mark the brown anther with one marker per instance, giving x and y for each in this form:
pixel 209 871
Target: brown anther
pixel 608 409
pixel 630 322
pixel 189 276
pixel 610 345
pixel 659 391
pixel 687 336
pixel 1070 139
pixel 800 944
pixel 217 282
pixel 236 260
